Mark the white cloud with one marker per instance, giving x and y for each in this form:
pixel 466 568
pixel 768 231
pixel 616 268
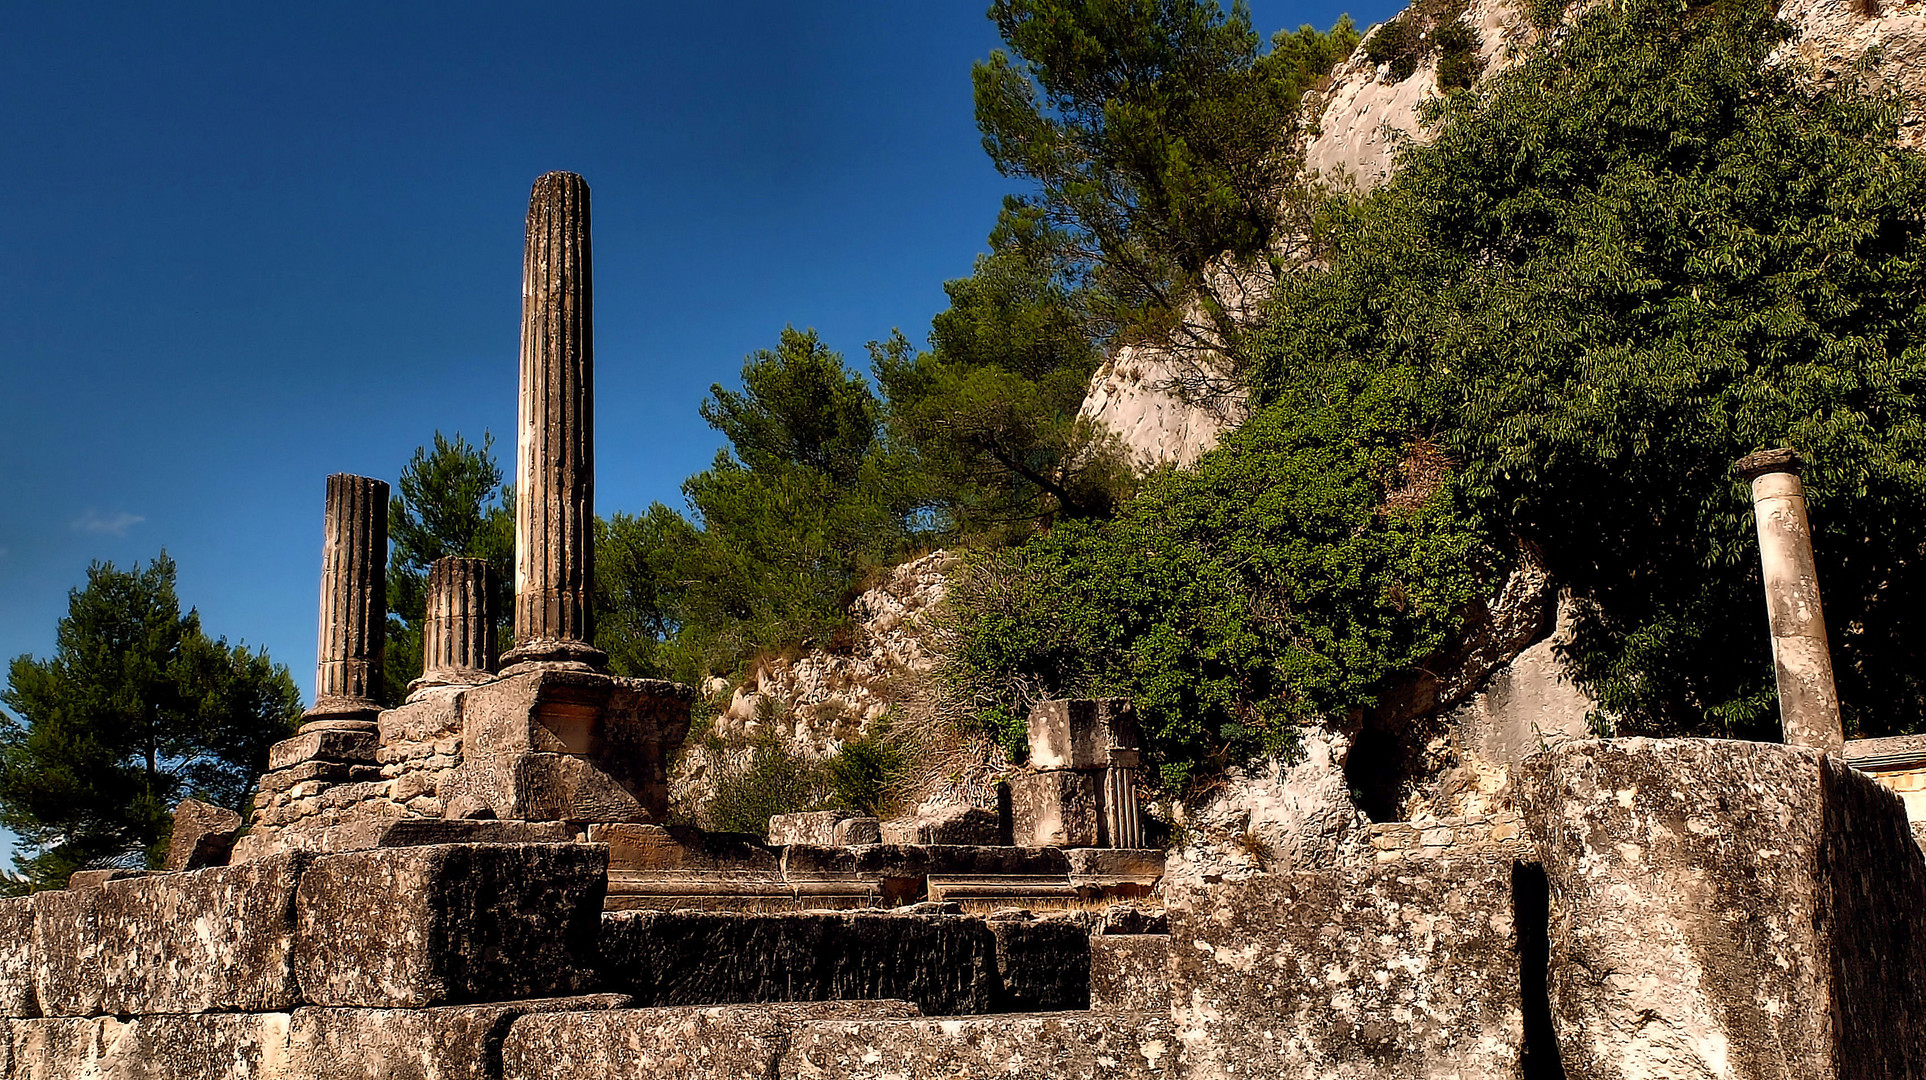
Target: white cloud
pixel 93 521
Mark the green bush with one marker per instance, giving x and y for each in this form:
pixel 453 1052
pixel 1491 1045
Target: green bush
pixel 1632 258
pixel 1278 582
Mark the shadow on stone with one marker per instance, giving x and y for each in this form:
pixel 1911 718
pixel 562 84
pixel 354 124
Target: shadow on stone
pixel 1531 912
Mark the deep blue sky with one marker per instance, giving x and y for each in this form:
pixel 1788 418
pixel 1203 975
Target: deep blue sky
pixel 249 245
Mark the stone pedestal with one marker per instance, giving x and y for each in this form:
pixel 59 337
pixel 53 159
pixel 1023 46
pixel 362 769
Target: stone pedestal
pixel 555 434
pixel 354 606
pixel 1727 909
pixel 555 744
pixel 1808 700
pixel 458 635
pixel 1081 789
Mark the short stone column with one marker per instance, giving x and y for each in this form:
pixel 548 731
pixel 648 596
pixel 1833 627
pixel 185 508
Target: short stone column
pixel 1808 699
pixel 354 606
pixel 458 635
pixel 555 434
pixel 1080 789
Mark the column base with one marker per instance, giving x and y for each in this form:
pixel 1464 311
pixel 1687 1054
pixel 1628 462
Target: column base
pixel 434 680
pixel 550 654
pixel 336 713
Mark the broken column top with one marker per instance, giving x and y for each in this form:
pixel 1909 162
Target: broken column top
pixel 1782 459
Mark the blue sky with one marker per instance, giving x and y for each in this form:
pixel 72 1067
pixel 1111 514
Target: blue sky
pixel 250 245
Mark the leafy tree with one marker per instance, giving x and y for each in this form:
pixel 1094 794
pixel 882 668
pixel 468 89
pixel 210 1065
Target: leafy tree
pixel 990 410
pixel 136 708
pixel 451 502
pixel 644 568
pixel 1637 255
pixel 1280 581
pixel 1161 137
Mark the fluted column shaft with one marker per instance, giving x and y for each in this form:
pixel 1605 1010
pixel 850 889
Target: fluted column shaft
pixel 1801 654
pixel 458 634
pixel 354 603
pixel 555 440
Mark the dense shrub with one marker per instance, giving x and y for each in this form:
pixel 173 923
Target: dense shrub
pixel 1280 580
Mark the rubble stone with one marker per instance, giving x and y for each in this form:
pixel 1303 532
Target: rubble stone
pixel 1409 969
pixel 213 940
pixel 415 926
pixel 203 835
pixel 1724 908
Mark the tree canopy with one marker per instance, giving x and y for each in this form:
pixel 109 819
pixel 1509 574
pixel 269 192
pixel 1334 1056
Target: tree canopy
pixel 137 708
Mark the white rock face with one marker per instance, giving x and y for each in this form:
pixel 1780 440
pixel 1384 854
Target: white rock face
pixel 1834 34
pixel 1131 395
pixel 1274 817
pixel 824 698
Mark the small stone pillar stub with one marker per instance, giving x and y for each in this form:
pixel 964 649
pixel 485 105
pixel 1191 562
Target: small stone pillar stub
pixel 1081 788
pixel 458 635
pixel 1801 656
pixel 354 605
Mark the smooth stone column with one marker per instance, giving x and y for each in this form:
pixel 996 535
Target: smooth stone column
pixel 458 635
pixel 555 434
pixel 354 606
pixel 1808 699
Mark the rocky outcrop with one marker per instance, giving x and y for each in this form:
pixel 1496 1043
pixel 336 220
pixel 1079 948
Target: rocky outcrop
pixel 1834 36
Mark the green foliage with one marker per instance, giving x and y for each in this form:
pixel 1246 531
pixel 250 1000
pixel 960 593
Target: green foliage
pixel 1271 585
pixel 1159 135
pixel 643 566
pixel 1428 28
pixel 1633 258
pixel 990 410
pixel 136 708
pixel 770 780
pixel 866 774
pixel 450 502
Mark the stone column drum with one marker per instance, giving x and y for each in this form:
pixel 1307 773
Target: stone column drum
pixel 458 636
pixel 1808 699
pixel 354 606
pixel 555 440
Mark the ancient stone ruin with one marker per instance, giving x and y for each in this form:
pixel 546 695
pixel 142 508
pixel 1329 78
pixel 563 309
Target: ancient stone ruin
pixel 483 883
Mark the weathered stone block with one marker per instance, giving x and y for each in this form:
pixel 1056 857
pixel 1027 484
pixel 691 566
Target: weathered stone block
pixel 1110 866
pixel 725 1043
pixel 449 1042
pixel 1731 909
pixel 344 747
pixel 1057 808
pixel 1080 733
pixel 1409 969
pixel 211 940
pixel 656 847
pixel 572 745
pixel 855 831
pixel 809 827
pixel 943 963
pixel 207 1046
pixel 203 835
pixel 1042 965
pixel 966 825
pixel 1130 973
pixel 424 831
pixel 1059 1046
pixel 17 995
pixel 407 927
pixel 431 714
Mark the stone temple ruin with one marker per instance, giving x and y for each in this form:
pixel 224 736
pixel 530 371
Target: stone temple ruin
pixel 481 883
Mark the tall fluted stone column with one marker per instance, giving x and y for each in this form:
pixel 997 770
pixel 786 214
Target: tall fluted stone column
pixel 354 605
pixel 1808 700
pixel 555 433
pixel 458 635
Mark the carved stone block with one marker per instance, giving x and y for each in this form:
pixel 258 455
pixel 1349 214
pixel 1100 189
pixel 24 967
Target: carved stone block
pixel 731 1042
pixel 203 835
pixel 408 927
pixel 346 747
pixel 17 996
